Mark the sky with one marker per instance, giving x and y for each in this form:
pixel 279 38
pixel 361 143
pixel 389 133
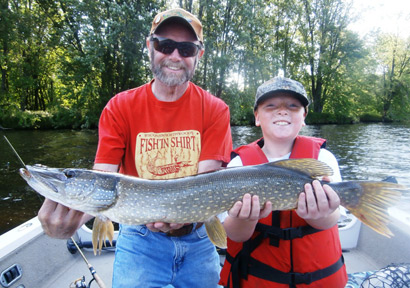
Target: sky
pixel 391 16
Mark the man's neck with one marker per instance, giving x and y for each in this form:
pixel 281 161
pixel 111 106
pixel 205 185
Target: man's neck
pixel 168 93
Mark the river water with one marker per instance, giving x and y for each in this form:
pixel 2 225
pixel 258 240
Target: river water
pixel 364 152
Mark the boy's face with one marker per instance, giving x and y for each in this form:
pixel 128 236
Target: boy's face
pixel 281 117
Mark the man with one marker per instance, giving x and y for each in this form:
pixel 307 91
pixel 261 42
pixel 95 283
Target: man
pixel 164 129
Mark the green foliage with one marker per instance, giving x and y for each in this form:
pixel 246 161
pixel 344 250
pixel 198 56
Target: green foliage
pixel 26 120
pixel 241 106
pixel 328 118
pixel 371 117
pixel 62 118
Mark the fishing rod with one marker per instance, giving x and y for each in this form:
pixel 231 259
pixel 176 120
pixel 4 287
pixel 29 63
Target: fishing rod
pixel 93 272
pixel 96 277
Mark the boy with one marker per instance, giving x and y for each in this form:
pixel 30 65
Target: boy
pixel 298 248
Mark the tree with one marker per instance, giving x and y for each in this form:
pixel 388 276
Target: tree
pixel 393 55
pixel 6 23
pixel 104 48
pixel 322 32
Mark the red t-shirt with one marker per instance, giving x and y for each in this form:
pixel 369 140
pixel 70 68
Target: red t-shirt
pixel 160 140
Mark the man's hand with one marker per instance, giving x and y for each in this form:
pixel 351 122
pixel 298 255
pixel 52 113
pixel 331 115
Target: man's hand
pixel 60 222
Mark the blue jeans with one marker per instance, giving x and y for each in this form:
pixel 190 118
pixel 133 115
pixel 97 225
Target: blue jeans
pixel 149 259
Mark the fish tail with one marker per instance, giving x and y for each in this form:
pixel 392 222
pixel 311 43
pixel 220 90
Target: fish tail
pixel 377 197
pixel 102 229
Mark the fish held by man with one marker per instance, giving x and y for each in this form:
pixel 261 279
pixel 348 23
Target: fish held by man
pixel 131 200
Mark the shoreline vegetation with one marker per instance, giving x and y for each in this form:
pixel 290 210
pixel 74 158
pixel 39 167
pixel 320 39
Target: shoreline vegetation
pixel 62 61
pixel 74 119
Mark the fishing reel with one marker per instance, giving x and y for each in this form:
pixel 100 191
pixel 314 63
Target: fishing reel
pixel 80 283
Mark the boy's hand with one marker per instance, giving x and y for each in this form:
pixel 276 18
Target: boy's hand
pixel 250 209
pixel 243 217
pixel 317 205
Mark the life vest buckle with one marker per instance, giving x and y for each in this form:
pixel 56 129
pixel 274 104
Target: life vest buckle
pixel 301 278
pixel 291 233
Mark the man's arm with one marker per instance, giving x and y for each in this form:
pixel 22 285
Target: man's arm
pixel 209 165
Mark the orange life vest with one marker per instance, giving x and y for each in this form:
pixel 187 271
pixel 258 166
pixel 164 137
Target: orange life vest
pixel 284 250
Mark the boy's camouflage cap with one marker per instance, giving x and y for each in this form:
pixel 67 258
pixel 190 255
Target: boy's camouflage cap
pixel 281 84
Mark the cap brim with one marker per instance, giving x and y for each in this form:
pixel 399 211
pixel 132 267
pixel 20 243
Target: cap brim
pixel 301 98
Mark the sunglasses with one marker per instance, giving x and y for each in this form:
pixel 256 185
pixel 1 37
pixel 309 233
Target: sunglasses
pixel 167 46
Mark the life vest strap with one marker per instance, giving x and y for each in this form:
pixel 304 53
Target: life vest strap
pixel 266 272
pixel 261 270
pixel 285 233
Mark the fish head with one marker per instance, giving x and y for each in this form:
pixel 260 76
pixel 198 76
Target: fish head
pixel 80 189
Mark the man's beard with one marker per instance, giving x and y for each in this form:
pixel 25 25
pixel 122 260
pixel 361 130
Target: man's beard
pixel 171 79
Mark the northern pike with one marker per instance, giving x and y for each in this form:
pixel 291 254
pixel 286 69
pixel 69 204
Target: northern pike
pixel 131 200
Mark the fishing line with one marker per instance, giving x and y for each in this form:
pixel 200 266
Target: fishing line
pixel 14 150
pixel 21 160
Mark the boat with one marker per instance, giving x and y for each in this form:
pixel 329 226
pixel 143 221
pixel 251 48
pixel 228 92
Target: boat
pixel 31 259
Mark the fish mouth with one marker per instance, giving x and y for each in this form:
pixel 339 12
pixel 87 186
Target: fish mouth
pixel 49 177
pixel 25 174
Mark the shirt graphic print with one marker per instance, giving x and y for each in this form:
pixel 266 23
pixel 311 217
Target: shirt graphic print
pixel 167 155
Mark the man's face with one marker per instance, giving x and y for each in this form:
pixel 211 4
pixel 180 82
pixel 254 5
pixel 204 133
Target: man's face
pixel 174 69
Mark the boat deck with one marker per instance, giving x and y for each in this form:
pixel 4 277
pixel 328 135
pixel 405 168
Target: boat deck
pixel 47 263
pixel 78 268
pixel 367 256
pixel 356 261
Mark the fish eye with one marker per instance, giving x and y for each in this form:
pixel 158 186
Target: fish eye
pixel 69 173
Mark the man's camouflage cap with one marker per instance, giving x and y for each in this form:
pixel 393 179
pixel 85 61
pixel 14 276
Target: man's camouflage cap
pixel 181 15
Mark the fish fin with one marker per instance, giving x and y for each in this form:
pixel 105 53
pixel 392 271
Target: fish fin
pixel 312 167
pixel 372 208
pixel 216 232
pixel 102 229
